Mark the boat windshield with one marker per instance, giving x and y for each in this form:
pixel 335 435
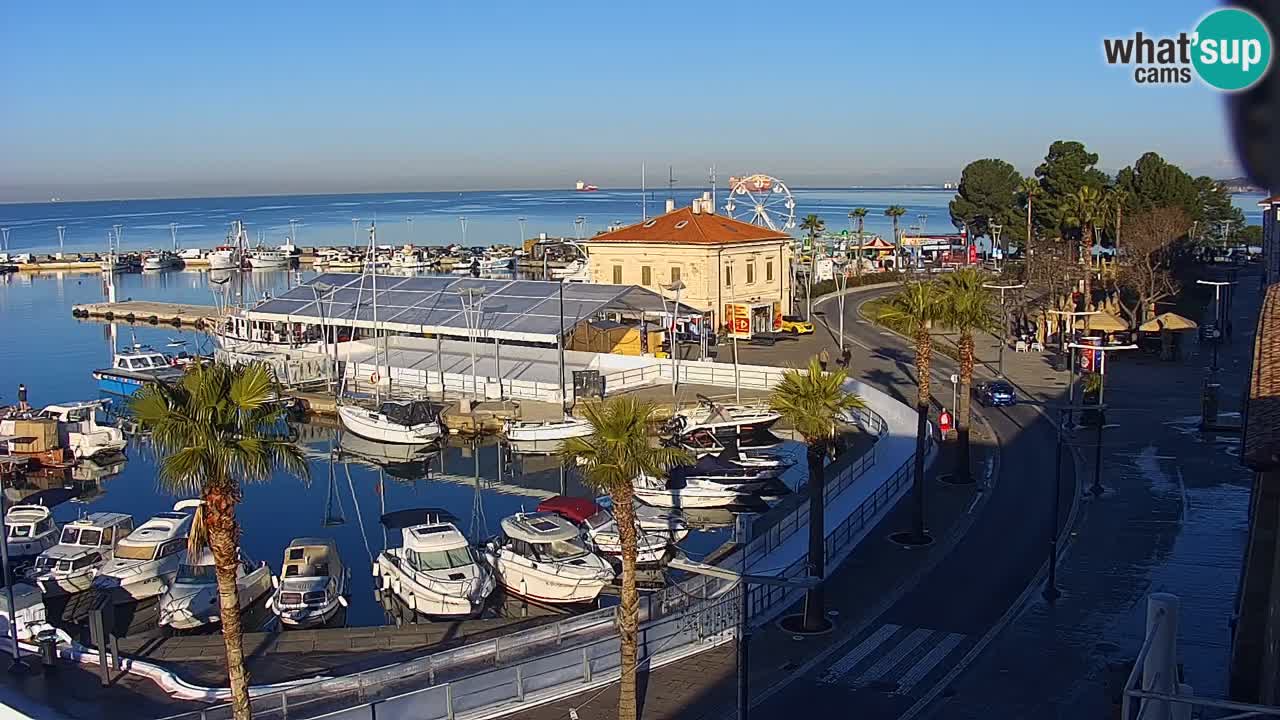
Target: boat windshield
pixel 135 552
pixel 196 575
pixel 440 559
pixel 21 531
pixel 599 520
pixel 81 536
pixel 562 549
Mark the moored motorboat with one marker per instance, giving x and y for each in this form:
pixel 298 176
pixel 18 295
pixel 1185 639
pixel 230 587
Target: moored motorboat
pixel 600 529
pixel 312 586
pixel 400 422
pixel 690 493
pixel 147 559
pixel 134 367
pixel 541 556
pixel 435 571
pixel 31 531
pixel 224 257
pixel 712 469
pixel 83 547
pixel 650 519
pixel 723 421
pixel 533 431
pixel 192 599
pixel 262 258
pixel 80 431
pixel 704 442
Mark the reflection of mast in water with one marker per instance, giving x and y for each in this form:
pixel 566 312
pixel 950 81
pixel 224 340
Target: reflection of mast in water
pixel 359 518
pixel 332 499
pixel 382 502
pixel 478 523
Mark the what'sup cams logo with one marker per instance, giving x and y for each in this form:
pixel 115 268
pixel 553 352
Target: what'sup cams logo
pixel 1230 50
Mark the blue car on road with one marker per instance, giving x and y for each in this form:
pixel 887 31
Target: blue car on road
pixel 996 394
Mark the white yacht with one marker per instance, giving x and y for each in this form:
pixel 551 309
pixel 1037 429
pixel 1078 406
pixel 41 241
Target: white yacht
pixel 192 598
pixel 723 420
pixel 147 559
pixel 528 431
pixel 84 546
pixel 312 586
pixel 31 532
pixel 435 571
pixel 689 493
pixel 409 258
pixel 748 449
pixel 541 556
pixel 712 469
pixel 79 430
pixel 267 259
pixel 399 422
pixel 600 529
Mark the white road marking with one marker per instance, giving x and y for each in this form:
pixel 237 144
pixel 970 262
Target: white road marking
pixel 895 656
pixel 855 656
pixel 926 664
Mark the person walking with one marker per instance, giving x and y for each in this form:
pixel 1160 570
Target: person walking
pixel 845 357
pixel 823 358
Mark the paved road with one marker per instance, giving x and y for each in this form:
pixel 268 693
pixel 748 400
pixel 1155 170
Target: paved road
pixel 884 669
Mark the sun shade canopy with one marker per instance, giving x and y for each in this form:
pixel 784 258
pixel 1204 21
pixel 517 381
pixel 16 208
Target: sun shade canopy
pixel 521 310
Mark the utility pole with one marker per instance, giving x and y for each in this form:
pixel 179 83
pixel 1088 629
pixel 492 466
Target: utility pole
pixel 5 233
pixel 522 220
pixel 1004 312
pixel 1100 366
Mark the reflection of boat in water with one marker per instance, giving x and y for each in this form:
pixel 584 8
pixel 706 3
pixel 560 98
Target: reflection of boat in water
pixel 435 571
pixel 385 453
pixel 534 447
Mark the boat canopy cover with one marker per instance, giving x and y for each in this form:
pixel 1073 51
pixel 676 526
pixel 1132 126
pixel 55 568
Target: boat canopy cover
pixel 539 527
pixel 401 519
pixel 311 557
pixel 574 509
pixel 408 413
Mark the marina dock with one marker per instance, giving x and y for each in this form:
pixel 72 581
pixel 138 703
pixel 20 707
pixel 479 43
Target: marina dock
pixel 145 311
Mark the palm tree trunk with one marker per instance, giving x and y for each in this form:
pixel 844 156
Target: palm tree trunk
pixel 857 269
pixel 629 608
pixel 814 605
pixel 963 472
pixel 924 354
pixel 224 542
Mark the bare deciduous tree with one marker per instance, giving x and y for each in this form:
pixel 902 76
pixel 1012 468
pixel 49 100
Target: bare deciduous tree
pixel 1143 272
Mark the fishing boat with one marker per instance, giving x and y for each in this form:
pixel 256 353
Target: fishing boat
pixel 114 263
pixel 224 257
pixel 518 431
pixel 688 493
pixel 84 546
pixel 398 422
pixel 162 260
pixel 31 532
pixel 312 586
pixel 262 258
pixel 541 556
pixel 136 366
pixel 147 559
pixel 192 599
pixel 80 432
pixel 600 529
pixel 435 571
pixel 723 421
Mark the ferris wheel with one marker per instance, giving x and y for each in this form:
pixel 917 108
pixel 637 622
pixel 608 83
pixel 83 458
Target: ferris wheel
pixel 761 200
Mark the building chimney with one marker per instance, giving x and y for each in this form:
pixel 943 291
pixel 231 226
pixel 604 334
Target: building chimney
pixel 708 205
pixel 671 205
pixel 696 207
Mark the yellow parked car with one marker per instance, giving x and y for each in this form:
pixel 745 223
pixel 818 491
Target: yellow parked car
pixel 796 325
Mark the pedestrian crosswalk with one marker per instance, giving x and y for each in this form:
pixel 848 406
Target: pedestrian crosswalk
pixel 893 658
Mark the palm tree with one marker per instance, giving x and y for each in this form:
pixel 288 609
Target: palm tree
pixel 859 214
pixel 813 225
pixel 1115 199
pixel 894 212
pixel 214 430
pixel 813 401
pixel 916 306
pixel 1084 209
pixel 966 307
pixel 1029 189
pixel 610 459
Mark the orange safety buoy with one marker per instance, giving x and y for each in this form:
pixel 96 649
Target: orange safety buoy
pixel 374 378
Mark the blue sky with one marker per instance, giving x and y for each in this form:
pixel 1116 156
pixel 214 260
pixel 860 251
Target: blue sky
pixel 166 99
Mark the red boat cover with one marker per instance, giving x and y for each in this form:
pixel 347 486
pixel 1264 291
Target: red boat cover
pixel 570 508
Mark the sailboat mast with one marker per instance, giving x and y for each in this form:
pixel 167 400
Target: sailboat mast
pixel 564 392
pixel 373 275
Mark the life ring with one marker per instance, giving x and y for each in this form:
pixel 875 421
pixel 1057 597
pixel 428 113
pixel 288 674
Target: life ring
pixel 374 378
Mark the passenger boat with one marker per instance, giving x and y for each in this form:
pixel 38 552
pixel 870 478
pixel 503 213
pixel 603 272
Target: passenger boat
pixel 524 431
pixel 147 559
pixel 133 368
pixel 399 422
pixel 84 546
pixel 435 571
pixel 31 532
pixel 312 586
pixel 80 432
pixel 723 421
pixel 192 599
pixel 541 556
pixel 600 529
pixel 689 493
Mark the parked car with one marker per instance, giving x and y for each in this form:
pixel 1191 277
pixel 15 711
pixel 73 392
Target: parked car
pixel 996 393
pixel 795 325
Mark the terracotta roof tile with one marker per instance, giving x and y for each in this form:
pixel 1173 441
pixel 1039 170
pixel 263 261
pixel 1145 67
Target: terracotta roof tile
pixel 1262 428
pixel 683 226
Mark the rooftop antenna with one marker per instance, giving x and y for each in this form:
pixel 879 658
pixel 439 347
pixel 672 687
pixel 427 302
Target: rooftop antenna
pixel 173 234
pixel 62 229
pixel 713 188
pixel 644 197
pixel 671 184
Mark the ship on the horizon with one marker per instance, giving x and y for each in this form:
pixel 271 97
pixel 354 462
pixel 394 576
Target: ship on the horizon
pixel 582 186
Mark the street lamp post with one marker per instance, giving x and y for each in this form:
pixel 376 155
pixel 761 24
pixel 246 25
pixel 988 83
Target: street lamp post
pixel 842 282
pixel 1217 315
pixel 1063 350
pixel 355 231
pixel 1004 312
pixel 674 343
pixel 1100 364
pixel 462 220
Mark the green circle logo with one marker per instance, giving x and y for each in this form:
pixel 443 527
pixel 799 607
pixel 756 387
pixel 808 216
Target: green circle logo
pixel 1232 49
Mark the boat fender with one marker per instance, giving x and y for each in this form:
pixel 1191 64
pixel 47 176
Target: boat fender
pixel 377 570
pixel 129 317
pixel 109 315
pixel 374 378
pixel 275 582
pixel 342 601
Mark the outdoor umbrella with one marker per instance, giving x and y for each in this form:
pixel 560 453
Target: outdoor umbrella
pixel 1106 322
pixel 1167 321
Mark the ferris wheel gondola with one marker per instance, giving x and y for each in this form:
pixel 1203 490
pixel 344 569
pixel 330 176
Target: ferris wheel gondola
pixel 761 200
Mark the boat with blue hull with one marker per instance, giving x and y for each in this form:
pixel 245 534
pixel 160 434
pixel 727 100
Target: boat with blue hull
pixel 133 368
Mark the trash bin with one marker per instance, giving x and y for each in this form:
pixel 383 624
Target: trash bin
pixel 47 640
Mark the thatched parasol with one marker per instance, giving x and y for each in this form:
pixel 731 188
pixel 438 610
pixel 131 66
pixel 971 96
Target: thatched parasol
pixel 1167 321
